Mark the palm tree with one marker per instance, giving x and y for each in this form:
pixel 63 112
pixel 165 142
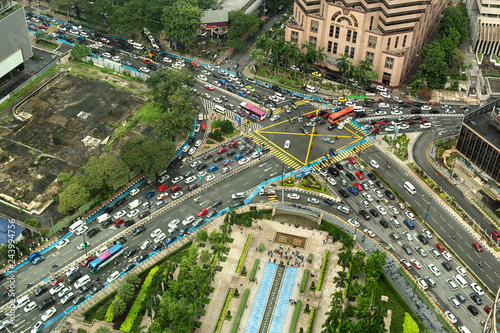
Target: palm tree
pixel 342 64
pixel 340 279
pixel 349 71
pixel 365 67
pixel 118 306
pixel 345 258
pixel 320 55
pixel 309 54
pixel 133 280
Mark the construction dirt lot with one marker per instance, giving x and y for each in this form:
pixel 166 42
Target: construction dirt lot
pixel 66 111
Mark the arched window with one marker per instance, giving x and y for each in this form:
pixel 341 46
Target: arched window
pixel 344 19
pixel 354 20
pixel 334 17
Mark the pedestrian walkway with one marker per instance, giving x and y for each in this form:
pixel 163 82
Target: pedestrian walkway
pixel 260 300
pixel 283 300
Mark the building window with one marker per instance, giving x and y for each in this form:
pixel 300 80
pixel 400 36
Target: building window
pixel 337 32
pixel 346 52
pixel 314 26
pixel 331 30
pixel 389 62
pixel 352 52
pixel 354 36
pixel 335 46
pixel 371 23
pixel 349 32
pixel 372 42
pixel 396 44
pixel 295 37
pixel 404 41
pixel 313 40
pixel 388 44
pixel 329 49
pixel 370 56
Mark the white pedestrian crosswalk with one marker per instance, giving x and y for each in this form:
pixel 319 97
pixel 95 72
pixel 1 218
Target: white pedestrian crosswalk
pixel 209 104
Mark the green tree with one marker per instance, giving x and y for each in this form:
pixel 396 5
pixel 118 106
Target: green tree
pixel 241 24
pixel 164 84
pixel 258 56
pixel 340 279
pixel 214 237
pixel 79 51
pixel 133 280
pixel 73 196
pixel 105 171
pixel 127 18
pixel 456 18
pixel 205 256
pixel 345 258
pixel 103 329
pixel 32 222
pixel 342 64
pixel 409 324
pixel 375 264
pixel 126 292
pixel 202 235
pixel 118 307
pixel 64 5
pixel 434 66
pixel 358 263
pixel 181 21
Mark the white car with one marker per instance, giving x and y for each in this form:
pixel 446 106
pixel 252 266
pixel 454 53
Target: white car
pixel 101 251
pixel 197 128
pixel 381 88
pixel 202 173
pixel 37 327
pixel 156 232
pixel 385 95
pixel 173 222
pixel 188 220
pixel 477 288
pixel 106 55
pixel 133 213
pixel 365 203
pixel 407 236
pixel 389 129
pixel 451 316
pixel 293 196
pixel 378 193
pixel 244 160
pixel 434 270
pixel 217 100
pixel 134 192
pixel 177 179
pixel 313 201
pixel 81 230
pixel 177 195
pixel 374 164
pixel 396 112
pixel 189 180
pixel 446 255
pixel 198 143
pixel 145 244
pixel 144 69
pixel 64 291
pixel 397 99
pixel 71 270
pixel 403 126
pixel 425 125
pixel 172 229
pixel 256 154
pixel 162 196
pixel 167 59
pixel 425 107
pixel 30 307
pixel 209 178
pixel 67 297
pixel 195 164
pixel 382 210
pixel 323 172
pixel 202 77
pixel 383 105
pixel 369 233
pixel 275 117
pixel 57 288
pixel 395 222
pixel 422 283
pixel 410 215
pixel 287 144
pixel 427 233
pixel 49 313
pixel 62 243
pixel 394 210
pixel 461 271
pixel 354 223
pixel 186 148
pixel 160 238
pixel 116 58
pixel 119 214
pixel 332 181
pixel 367 196
pixel 449 111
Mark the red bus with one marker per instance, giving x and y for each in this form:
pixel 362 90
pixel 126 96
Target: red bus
pixel 253 111
pixel 341 115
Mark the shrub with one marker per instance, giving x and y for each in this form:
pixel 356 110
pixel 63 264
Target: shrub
pixel 322 275
pixel 109 313
pixel 304 281
pixel 254 269
pixel 136 307
pixel 296 313
pixel 310 258
pixel 226 303
pixel 240 311
pixel 243 254
pixel 311 320
pixel 261 247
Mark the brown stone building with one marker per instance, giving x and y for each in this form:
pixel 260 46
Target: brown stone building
pixel 390 33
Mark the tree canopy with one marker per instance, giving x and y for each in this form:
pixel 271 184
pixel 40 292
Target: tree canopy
pixel 180 22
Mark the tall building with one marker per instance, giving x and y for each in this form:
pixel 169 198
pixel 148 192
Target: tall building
pixel 15 46
pixel 484 25
pixel 479 144
pixel 391 34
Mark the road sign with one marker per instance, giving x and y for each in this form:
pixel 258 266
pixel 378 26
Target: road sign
pixel 308 171
pixel 237 118
pixel 299 174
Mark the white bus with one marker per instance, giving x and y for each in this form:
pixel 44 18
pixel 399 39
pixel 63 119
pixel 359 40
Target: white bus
pixel 410 188
pixel 220 109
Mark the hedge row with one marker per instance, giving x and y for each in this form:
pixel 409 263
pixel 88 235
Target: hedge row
pixel 323 268
pixel 295 317
pixel 223 312
pixel 261 247
pixel 128 323
pixel 304 281
pixel 311 320
pixel 240 310
pixel 214 261
pixel 243 254
pixel 109 313
pixel 254 269
pixel 310 258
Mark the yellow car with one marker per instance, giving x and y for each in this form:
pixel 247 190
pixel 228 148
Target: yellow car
pixel 207 96
pixel 342 99
pixel 250 88
pixel 317 74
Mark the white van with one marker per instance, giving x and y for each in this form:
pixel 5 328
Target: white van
pixel 460 280
pixel 310 88
pixel 200 116
pixel 410 188
pixel 22 302
pixel 134 204
pixel 76 225
pixel 358 108
pixel 220 109
pixel 455 302
pixel 238 195
pixel 463 329
pixel 103 217
pixel 82 281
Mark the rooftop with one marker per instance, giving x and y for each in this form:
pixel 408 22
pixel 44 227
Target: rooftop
pixel 212 16
pixel 486 126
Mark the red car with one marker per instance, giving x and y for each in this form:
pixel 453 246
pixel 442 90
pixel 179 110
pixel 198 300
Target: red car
pixel 221 150
pixel 358 187
pixel 440 247
pixel 146 61
pixel 352 160
pixel 163 196
pixel 233 144
pixel 106 41
pixel 202 212
pixel 57 280
pixel 162 188
pixel 487 309
pixel 119 222
pixel 410 122
pixel 227 162
pixel 44 27
pixel 311 115
pixel 209 87
pixel 203 127
pixel 175 188
pixel 477 246
pixel 326 115
pixel 246 91
pixel 359 175
pixel 87 261
pixel 422 121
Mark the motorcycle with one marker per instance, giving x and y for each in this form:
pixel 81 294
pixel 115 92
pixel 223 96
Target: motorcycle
pixel 480 264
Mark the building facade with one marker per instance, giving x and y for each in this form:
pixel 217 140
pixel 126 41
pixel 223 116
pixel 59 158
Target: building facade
pixel 484 25
pixel 15 46
pixel 391 34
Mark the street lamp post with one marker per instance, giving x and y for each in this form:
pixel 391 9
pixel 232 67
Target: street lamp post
pixel 428 207
pixel 85 244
